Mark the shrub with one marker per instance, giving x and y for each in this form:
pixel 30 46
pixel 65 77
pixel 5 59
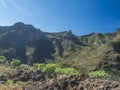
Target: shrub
pixel 50 69
pixel 26 67
pixel 53 70
pixel 3 59
pixel 9 82
pixel 40 66
pixel 100 74
pixel 15 62
pixel 67 71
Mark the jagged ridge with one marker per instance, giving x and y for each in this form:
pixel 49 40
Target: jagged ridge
pixel 88 52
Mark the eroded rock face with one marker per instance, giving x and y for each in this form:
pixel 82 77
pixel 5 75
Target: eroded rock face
pixel 73 83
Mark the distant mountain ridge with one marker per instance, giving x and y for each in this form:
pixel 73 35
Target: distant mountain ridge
pixel 87 52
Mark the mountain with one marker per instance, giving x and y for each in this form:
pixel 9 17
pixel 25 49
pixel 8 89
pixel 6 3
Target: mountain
pixel 24 42
pixel 85 53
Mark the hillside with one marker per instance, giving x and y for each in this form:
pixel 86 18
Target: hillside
pixel 85 53
pixel 24 42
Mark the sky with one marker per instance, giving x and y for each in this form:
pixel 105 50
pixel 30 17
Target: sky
pixel 80 16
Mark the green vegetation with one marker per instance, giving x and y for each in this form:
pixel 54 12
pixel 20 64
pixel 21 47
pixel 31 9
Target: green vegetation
pixel 3 59
pixel 99 74
pixel 25 67
pixel 85 53
pixel 9 82
pixel 49 55
pixel 50 70
pixel 67 71
pixel 54 69
pixel 15 62
pixel 40 66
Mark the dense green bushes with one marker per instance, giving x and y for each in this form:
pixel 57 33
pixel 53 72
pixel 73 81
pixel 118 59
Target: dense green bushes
pixel 3 59
pixel 54 69
pixel 50 69
pixel 67 71
pixel 100 74
pixel 15 62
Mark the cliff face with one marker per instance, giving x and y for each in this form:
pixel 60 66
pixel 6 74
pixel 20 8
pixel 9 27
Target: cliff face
pixel 25 42
pixel 88 52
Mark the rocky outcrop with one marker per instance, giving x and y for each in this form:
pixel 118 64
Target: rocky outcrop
pixel 22 75
pixel 73 83
pixel 64 82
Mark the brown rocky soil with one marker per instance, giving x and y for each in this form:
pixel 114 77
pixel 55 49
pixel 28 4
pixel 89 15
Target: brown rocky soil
pixel 64 82
pixel 73 83
pixel 10 87
pixel 24 75
pixel 36 80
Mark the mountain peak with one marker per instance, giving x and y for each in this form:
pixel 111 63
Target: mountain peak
pixel 21 24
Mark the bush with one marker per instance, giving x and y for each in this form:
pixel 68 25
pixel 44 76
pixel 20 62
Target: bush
pixel 3 59
pixel 50 69
pixel 40 66
pixel 53 70
pixel 10 82
pixel 100 74
pixel 67 71
pixel 26 67
pixel 15 62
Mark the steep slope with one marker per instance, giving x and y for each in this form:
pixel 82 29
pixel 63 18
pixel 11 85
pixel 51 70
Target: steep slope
pixel 86 53
pixel 25 42
pixel 97 38
pixel 65 43
pixel 102 52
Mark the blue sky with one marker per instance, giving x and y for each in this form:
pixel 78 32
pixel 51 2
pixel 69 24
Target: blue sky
pixel 80 16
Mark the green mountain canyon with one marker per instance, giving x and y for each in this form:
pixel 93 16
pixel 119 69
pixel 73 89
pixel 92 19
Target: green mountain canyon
pixel 41 52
